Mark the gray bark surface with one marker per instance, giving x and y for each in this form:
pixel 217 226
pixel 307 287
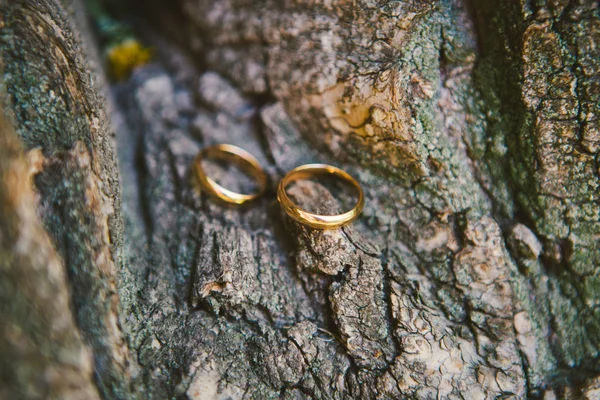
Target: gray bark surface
pixel 472 273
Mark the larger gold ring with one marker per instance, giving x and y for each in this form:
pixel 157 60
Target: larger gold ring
pixel 312 219
pixel 241 158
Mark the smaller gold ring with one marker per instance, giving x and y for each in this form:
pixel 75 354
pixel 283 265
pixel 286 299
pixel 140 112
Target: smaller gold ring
pixel 312 219
pixel 241 158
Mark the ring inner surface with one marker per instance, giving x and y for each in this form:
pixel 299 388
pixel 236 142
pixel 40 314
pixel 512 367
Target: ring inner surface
pixel 216 166
pixel 337 180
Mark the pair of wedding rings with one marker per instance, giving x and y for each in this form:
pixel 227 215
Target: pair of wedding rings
pixel 252 167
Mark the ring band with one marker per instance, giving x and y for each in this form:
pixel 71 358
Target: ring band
pixel 312 219
pixel 241 158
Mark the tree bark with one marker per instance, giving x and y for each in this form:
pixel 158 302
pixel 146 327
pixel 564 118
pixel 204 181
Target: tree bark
pixel 472 273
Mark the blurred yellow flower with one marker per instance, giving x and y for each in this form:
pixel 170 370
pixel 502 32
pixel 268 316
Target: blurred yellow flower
pixel 124 57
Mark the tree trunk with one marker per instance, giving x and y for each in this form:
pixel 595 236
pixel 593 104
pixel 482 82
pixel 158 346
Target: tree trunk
pixel 473 272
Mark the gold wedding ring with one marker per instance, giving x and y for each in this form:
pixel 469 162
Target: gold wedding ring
pixel 311 219
pixel 246 161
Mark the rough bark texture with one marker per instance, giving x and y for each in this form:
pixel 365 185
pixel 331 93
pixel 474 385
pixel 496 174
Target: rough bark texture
pixel 472 273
